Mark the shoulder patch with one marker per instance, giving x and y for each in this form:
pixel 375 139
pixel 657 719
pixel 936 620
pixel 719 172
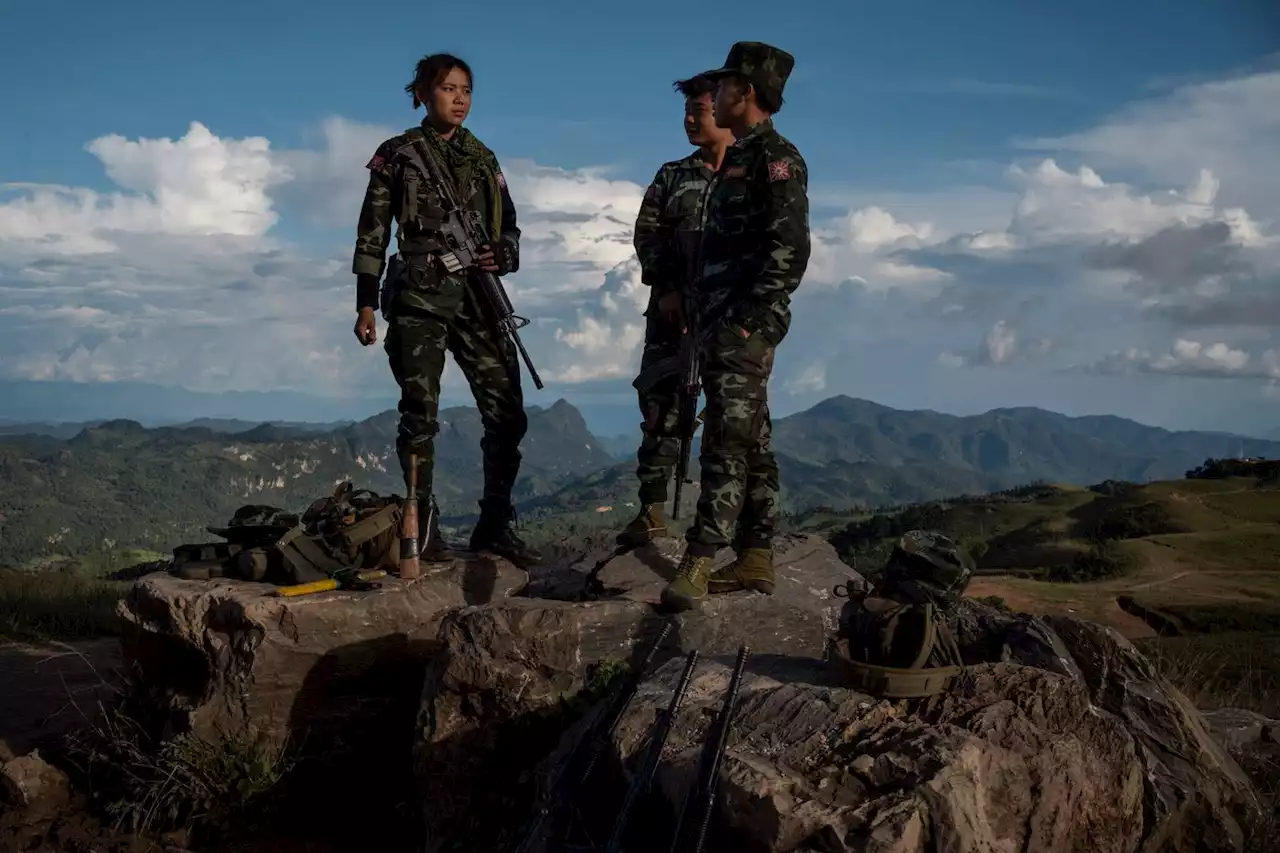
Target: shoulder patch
pixel 502 180
pixel 377 164
pixel 779 170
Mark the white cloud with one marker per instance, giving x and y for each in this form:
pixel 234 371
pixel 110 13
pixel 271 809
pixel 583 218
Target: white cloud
pixel 1228 127
pixel 1164 215
pixel 1192 358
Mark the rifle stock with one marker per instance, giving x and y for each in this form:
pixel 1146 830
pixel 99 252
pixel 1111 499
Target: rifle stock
pixel 460 229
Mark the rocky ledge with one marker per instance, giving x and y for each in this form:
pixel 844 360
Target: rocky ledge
pixel 1059 737
pixel 233 658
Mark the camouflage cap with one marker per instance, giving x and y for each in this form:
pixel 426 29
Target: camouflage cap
pixel 926 568
pixel 766 67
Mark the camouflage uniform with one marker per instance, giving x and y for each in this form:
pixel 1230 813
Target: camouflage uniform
pixel 429 311
pixel 666 241
pixel 755 248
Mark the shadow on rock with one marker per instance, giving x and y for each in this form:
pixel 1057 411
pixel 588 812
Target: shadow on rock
pixel 351 729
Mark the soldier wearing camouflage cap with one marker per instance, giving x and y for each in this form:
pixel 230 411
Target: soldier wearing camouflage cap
pixel 668 229
pixel 754 251
pixel 431 311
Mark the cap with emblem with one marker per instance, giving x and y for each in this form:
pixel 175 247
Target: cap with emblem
pixel 764 66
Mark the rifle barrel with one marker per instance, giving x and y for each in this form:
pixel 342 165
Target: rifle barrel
pixel 652 755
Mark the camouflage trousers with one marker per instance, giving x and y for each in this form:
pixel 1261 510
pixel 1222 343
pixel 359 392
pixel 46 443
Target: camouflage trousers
pixel 738 502
pixel 431 315
pixel 660 442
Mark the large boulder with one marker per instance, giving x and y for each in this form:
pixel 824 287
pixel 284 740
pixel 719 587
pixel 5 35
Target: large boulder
pixel 495 696
pixel 229 657
pixel 1099 755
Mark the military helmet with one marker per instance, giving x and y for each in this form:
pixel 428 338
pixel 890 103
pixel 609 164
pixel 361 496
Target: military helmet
pixel 926 567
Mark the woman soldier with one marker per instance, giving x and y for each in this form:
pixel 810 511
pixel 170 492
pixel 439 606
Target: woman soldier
pixel 429 310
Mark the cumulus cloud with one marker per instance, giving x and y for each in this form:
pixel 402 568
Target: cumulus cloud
pixel 1192 358
pixel 1001 345
pixel 1161 218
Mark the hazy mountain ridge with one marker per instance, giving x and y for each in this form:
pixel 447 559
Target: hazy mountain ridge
pixel 129 484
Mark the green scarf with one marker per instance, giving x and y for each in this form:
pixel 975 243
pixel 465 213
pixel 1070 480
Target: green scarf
pixel 466 159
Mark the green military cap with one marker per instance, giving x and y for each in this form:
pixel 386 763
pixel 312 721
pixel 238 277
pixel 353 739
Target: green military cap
pixel 766 67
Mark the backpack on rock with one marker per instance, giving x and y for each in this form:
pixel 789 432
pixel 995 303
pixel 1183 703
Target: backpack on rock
pixel 894 643
pixel 348 529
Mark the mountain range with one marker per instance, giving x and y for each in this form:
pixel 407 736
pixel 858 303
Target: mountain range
pixel 121 483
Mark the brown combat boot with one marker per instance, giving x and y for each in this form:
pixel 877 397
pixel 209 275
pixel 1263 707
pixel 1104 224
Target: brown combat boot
pixel 690 584
pixel 752 570
pixel 644 528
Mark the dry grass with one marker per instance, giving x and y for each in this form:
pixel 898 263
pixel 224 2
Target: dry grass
pixel 42 605
pixel 1233 671
pixel 209 788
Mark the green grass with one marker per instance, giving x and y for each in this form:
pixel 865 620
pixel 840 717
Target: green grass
pixel 57 605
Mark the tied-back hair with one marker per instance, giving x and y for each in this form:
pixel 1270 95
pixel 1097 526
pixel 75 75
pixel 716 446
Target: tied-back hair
pixel 696 86
pixel 431 70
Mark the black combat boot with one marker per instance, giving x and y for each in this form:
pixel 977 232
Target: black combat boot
pixel 494 533
pixel 432 545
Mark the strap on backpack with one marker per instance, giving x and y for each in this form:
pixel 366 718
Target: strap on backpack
pixel 890 682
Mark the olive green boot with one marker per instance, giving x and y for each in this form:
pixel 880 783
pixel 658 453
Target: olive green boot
pixel 752 570
pixel 690 584
pixel 644 528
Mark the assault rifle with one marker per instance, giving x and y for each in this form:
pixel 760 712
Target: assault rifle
pixel 464 235
pixel 687 365
pixel 575 770
pixel 695 816
pixel 643 778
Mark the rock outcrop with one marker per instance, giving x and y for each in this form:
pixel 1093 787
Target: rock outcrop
pixel 232 657
pixel 493 694
pixel 1100 755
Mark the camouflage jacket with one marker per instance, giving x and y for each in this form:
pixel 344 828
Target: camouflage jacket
pixel 755 234
pixel 670 220
pixel 397 190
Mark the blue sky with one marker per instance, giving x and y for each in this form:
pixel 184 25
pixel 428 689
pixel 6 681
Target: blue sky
pixel 935 115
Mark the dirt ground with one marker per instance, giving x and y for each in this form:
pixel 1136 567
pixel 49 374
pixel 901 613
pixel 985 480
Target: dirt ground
pixel 50 688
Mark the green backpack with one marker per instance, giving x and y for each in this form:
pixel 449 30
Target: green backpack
pixel 894 642
pixel 348 529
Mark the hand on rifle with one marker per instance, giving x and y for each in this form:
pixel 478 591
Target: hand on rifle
pixel 495 260
pixel 672 311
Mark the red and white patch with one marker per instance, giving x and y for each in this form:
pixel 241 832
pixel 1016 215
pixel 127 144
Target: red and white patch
pixel 376 164
pixel 502 180
pixel 779 170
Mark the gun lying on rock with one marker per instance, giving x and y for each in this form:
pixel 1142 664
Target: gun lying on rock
pixel 464 235
pixel 574 771
pixel 695 816
pixel 688 367
pixel 643 779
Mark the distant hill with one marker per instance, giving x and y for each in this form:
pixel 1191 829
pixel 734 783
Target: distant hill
pixel 122 482
pixel 847 452
pixel 156 487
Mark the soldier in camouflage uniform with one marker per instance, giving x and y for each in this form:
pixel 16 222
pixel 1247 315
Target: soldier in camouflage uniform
pixel 666 240
pixel 430 312
pixel 755 248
